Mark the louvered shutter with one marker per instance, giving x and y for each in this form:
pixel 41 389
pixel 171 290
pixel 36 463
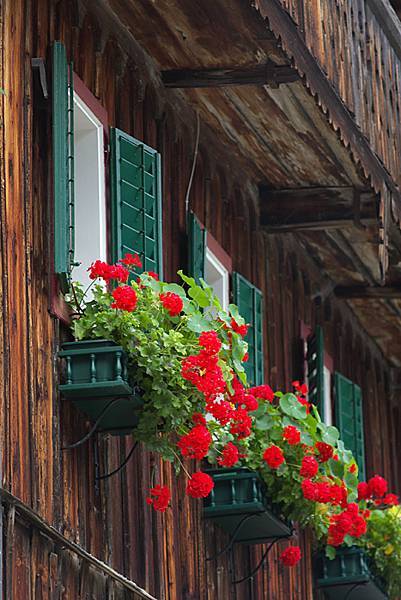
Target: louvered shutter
pixel 63 164
pixel 315 361
pixel 197 247
pixel 349 419
pixel 136 201
pixel 249 300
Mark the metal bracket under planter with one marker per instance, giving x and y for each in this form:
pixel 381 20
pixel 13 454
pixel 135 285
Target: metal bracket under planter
pixel 238 503
pixel 96 380
pixel 348 577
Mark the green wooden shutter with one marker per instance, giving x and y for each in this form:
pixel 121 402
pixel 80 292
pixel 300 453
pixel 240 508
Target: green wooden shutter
pixel 197 247
pixel 63 164
pixel 315 361
pixel 349 418
pixel 136 200
pixel 249 300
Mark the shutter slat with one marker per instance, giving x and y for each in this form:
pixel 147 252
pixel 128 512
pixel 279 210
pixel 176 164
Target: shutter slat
pixel 63 165
pixel 136 200
pixel 249 300
pixel 197 247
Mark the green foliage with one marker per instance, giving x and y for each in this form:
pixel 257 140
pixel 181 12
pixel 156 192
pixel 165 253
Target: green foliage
pixel 156 344
pixel 382 544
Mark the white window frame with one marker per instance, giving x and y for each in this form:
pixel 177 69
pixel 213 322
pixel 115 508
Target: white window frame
pixel 218 266
pixel 83 228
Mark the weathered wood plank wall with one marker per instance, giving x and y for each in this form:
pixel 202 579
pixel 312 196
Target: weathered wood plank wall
pixel 164 554
pixel 356 52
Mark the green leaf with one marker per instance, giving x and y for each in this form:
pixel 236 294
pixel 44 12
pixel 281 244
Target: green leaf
pixel 351 480
pixel 199 296
pixel 233 310
pixel 330 552
pixel 175 289
pixel 330 434
pixel 291 407
pixel 264 423
pixel 336 467
pixel 197 323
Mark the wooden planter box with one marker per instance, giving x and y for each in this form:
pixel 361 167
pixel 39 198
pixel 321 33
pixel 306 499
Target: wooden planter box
pixel 348 577
pixel 238 493
pixel 95 374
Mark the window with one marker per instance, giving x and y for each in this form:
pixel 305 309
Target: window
pixel 208 260
pixel 89 201
pixel 80 229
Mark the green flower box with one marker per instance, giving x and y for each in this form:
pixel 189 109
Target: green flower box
pixel 348 577
pixel 95 374
pixel 239 494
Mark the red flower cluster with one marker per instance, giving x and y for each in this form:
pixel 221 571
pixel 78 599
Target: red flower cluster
pixel 125 298
pixel 390 500
pixel 291 556
pixel 153 275
pixel 291 435
pixel 108 272
pixel 229 456
pixel 203 371
pixel 241 424
pixel 196 443
pixel 209 340
pixel 309 467
pixel 263 392
pixel 159 497
pixel 376 487
pixel 325 451
pixel 241 329
pixel 349 522
pixel 199 485
pixel 198 419
pixel 220 409
pixel 131 260
pixel 172 303
pixel 324 493
pixel 301 388
pixel 273 456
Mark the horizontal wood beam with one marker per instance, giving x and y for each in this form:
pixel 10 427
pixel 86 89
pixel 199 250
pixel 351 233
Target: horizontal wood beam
pixel 263 74
pixel 317 208
pixel 373 292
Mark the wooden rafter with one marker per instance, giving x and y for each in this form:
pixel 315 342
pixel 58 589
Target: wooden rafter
pixel 374 292
pixel 316 209
pixel 262 74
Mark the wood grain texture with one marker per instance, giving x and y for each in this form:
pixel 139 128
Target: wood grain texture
pixel 163 553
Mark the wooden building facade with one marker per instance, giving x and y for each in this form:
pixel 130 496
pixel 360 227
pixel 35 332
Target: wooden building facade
pixel 295 176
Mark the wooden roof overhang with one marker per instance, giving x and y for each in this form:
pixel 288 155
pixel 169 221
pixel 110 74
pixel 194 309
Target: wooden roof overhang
pixel 318 176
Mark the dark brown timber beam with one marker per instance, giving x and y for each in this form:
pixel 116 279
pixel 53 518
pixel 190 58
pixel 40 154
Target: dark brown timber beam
pixel 315 209
pixel 361 292
pixel 264 74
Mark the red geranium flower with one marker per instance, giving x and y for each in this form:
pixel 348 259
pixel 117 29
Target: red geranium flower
pixel 196 443
pixel 125 298
pixel 301 388
pixel 363 491
pixel 230 455
pixel 161 497
pixel 273 456
pixel 172 303
pixel 198 419
pixel 108 272
pixel 309 467
pixel 210 341
pixel 153 275
pixel 241 424
pixel 325 451
pixel 377 486
pixel 241 329
pixel 250 402
pixel 221 410
pixel 264 392
pixel 292 435
pixel 291 556
pixel 390 500
pixel 131 260
pixel 199 485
